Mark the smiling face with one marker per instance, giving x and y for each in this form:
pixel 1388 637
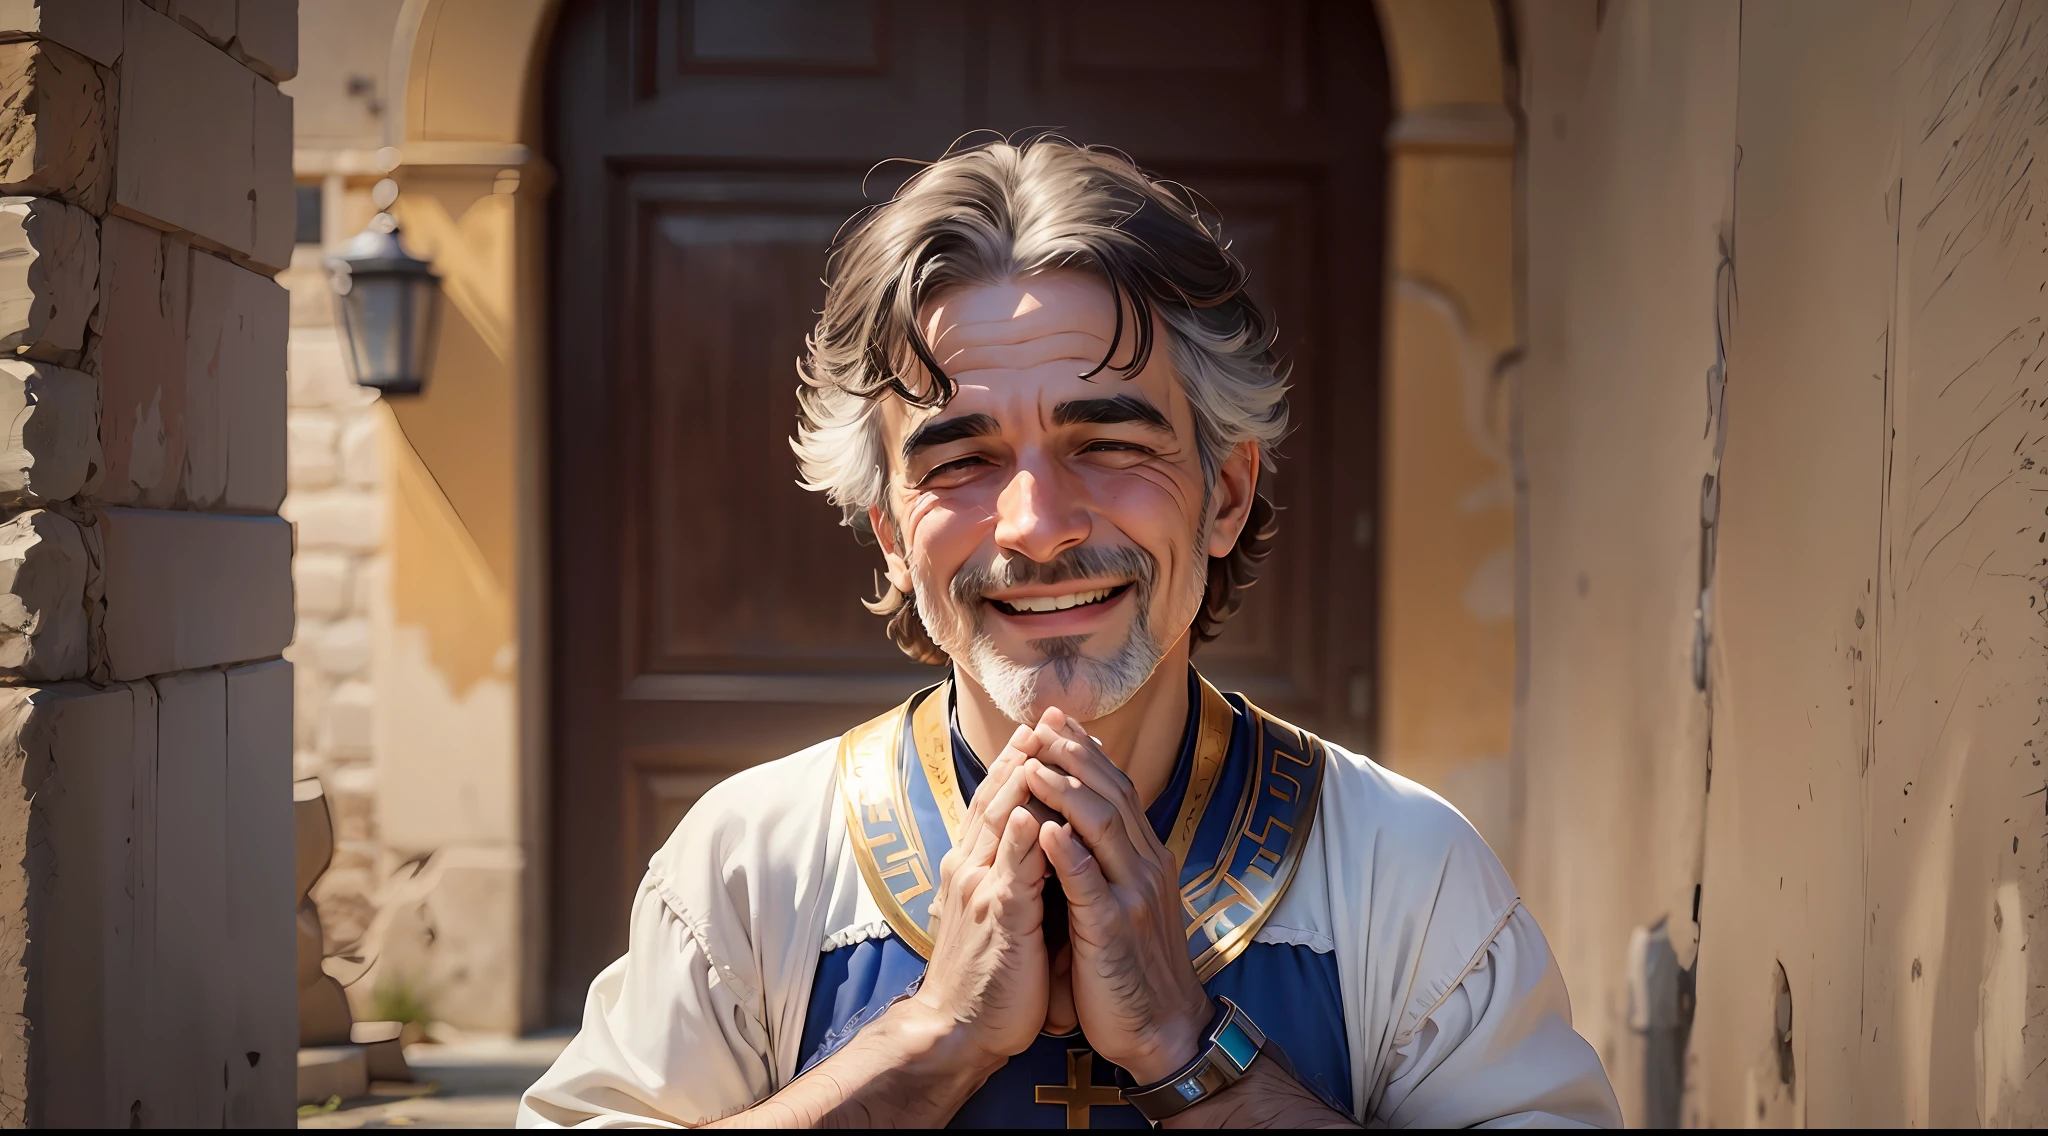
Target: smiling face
pixel 1054 530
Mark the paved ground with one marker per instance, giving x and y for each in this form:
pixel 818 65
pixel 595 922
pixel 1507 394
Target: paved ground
pixel 473 1083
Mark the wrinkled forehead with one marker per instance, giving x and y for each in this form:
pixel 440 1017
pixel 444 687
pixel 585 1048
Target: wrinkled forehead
pixel 1044 317
pixel 1017 348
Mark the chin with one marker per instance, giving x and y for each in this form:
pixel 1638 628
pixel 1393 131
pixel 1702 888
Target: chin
pixel 1061 674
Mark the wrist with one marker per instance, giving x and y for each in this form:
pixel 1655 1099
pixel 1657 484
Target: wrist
pixel 1173 1044
pixel 926 1040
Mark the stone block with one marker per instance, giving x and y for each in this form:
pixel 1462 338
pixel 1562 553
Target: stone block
pixel 318 375
pixel 342 648
pixel 348 727
pixel 306 280
pixel 51 440
pixel 53 125
pixel 185 135
pixel 77 765
pixel 187 590
pixel 44 625
pixel 192 993
pixel 214 19
pixel 329 1071
pixel 261 938
pixel 361 456
pixel 341 521
pixel 274 200
pixel 312 851
pixel 267 31
pixel 373 584
pixel 145 278
pixel 312 458
pixel 49 277
pixel 310 689
pixel 324 583
pixel 454 931
pixel 384 1048
pixel 91 28
pixel 352 789
pixel 347 896
pixel 235 334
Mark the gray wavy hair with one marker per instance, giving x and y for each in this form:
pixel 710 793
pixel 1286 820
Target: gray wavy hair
pixel 986 214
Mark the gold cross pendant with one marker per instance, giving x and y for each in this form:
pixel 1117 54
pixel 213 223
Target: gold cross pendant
pixel 1080 1093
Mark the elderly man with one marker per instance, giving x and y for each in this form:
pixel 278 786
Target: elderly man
pixel 1073 885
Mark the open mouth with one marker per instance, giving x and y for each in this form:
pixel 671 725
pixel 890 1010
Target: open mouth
pixel 1042 605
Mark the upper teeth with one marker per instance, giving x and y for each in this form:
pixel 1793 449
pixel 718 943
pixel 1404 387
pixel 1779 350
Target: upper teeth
pixel 1058 603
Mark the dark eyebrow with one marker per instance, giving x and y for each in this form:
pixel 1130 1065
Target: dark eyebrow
pixel 1109 411
pixel 943 430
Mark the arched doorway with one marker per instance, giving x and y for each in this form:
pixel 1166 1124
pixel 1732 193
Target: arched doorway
pixel 704 613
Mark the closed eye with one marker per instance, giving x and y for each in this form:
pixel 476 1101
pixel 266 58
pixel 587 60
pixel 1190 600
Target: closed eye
pixel 957 465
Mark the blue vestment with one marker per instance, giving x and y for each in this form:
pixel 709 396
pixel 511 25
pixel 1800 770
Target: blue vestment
pixel 1290 990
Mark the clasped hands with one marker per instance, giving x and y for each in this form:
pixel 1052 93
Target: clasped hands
pixel 1125 977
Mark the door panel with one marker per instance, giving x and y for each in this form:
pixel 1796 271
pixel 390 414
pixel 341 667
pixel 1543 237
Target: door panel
pixel 706 611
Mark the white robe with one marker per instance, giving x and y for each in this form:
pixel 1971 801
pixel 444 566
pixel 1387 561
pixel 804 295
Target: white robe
pixel 1455 1012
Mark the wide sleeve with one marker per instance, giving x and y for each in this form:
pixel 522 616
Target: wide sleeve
pixel 1496 1049
pixel 672 1036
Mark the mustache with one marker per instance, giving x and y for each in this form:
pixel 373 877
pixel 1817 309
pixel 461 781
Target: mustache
pixel 975 581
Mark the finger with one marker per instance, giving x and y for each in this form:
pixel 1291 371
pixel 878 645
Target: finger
pixel 1019 868
pixel 1068 726
pixel 985 837
pixel 1080 873
pixel 949 866
pixel 1096 821
pixel 1070 743
pixel 998 772
pixel 1085 760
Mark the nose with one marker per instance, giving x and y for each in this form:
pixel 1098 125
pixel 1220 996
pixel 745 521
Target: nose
pixel 1038 516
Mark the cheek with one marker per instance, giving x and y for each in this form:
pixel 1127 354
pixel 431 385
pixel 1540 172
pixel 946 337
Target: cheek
pixel 1159 513
pixel 1154 506
pixel 941 532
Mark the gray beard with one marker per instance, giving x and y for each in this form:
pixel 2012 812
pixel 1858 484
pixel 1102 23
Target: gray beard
pixel 1015 688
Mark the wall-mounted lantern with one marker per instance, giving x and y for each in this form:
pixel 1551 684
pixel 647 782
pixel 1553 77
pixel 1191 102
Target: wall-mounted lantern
pixel 389 304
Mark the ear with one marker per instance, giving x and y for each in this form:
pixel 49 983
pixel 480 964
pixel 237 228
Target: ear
pixel 1231 500
pixel 896 563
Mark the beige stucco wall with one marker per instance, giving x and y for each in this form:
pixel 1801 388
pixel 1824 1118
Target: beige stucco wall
pixel 462 671
pixel 1447 529
pixel 1835 201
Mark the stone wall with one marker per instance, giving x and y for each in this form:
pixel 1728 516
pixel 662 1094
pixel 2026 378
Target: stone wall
pixel 339 494
pixel 146 938
pixel 334 502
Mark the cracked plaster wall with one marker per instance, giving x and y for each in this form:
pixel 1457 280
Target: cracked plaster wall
pixel 1785 435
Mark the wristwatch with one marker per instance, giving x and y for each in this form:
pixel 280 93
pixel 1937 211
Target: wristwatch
pixel 1229 1048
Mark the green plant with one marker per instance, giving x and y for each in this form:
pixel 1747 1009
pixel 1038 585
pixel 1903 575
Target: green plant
pixel 396 998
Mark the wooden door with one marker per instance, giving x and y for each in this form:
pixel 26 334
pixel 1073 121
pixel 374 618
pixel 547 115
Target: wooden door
pixel 705 608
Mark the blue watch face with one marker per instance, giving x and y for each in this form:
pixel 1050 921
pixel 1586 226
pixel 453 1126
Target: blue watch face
pixel 1237 1045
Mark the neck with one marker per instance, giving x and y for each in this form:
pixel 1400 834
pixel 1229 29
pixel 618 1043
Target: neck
pixel 1143 736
